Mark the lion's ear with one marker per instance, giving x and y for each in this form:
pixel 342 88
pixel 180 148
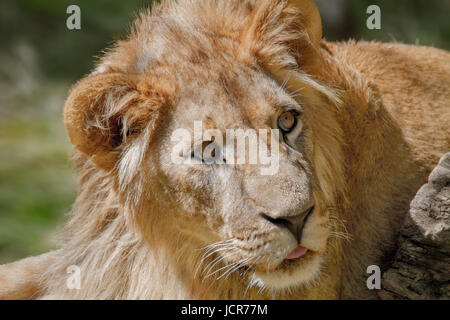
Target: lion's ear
pixel 312 21
pixel 103 110
pixel 283 34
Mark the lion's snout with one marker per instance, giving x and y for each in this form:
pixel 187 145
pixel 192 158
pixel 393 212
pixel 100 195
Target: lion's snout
pixel 294 223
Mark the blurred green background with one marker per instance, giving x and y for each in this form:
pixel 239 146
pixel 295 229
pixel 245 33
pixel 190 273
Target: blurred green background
pixel 40 59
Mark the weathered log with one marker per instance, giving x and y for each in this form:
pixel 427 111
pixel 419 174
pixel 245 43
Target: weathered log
pixel 421 267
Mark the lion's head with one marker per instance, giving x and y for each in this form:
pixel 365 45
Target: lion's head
pixel 229 66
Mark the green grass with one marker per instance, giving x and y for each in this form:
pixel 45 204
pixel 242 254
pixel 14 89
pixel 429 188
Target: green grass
pixel 37 185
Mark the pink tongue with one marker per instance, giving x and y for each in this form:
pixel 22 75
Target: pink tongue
pixel 297 253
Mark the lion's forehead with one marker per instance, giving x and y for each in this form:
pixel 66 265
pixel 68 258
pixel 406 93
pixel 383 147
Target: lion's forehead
pixel 165 38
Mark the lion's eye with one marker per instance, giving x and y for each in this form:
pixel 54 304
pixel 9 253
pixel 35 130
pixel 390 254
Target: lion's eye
pixel 287 121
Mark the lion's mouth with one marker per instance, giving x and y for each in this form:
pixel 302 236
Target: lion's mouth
pixel 297 258
pixel 297 253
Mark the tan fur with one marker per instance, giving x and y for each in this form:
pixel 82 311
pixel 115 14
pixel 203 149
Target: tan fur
pixel 375 123
pixel 21 279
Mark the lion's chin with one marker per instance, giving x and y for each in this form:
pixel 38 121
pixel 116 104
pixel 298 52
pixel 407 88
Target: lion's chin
pixel 290 273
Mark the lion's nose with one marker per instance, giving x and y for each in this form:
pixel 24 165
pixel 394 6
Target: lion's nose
pixel 294 224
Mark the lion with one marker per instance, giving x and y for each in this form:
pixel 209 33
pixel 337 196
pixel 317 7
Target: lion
pixel 361 125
